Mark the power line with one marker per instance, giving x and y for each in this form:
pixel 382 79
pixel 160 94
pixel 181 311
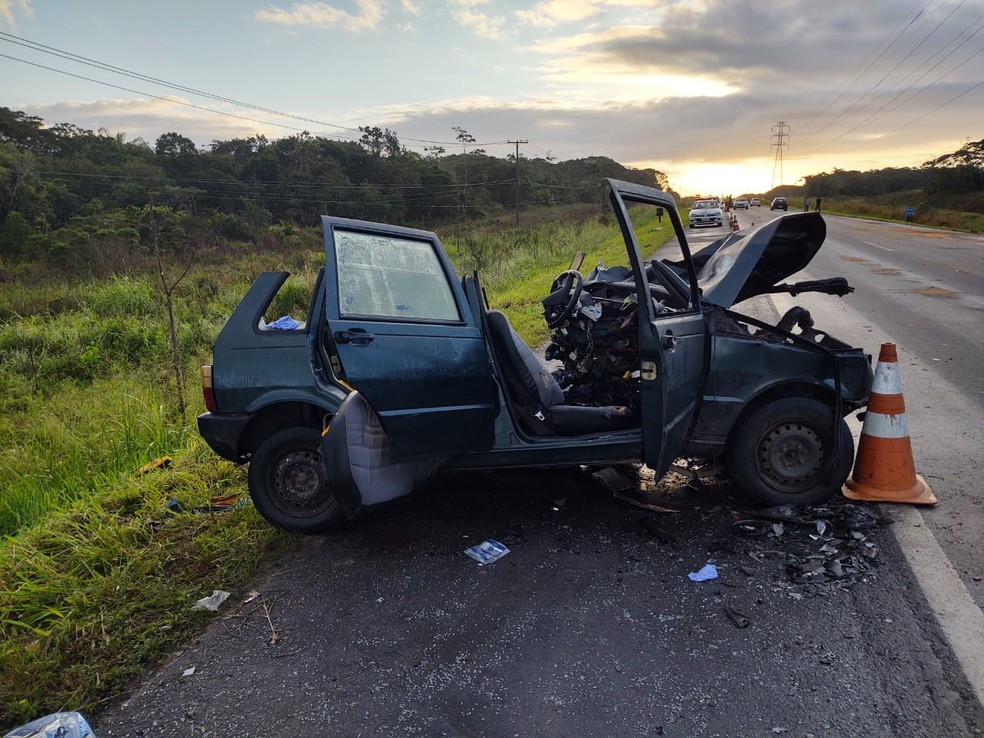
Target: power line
pixel 857 77
pixel 61 53
pixel 859 100
pixel 878 113
pixel 272 183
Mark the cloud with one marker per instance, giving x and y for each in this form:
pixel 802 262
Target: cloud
pixel 323 15
pixel 468 15
pixel 7 8
pixel 149 118
pixel 549 13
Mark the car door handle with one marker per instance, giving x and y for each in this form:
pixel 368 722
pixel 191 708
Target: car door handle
pixel 669 342
pixel 358 336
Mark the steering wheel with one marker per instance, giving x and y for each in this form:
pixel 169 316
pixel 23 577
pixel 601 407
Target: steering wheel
pixel 563 297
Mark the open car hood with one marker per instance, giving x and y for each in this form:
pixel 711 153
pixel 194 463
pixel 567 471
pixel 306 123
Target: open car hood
pixel 751 262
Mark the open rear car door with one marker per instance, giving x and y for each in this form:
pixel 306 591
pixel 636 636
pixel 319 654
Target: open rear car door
pixel 672 330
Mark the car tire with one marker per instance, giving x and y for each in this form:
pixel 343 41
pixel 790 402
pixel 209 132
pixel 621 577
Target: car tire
pixel 781 452
pixel 287 485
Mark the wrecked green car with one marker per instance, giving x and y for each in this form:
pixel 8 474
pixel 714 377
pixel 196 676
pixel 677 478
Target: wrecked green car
pixel 401 370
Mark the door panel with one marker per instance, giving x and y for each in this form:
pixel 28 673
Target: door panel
pixel 398 323
pixel 672 342
pixel 672 398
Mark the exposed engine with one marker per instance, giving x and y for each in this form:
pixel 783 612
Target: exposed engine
pixel 598 342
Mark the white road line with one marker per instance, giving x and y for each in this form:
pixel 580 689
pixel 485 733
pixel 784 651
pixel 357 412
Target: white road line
pixel 877 246
pixel 957 613
pixel 959 617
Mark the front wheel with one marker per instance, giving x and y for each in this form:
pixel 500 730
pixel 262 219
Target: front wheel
pixel 286 482
pixel 783 452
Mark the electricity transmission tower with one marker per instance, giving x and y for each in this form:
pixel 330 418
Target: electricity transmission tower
pixel 780 137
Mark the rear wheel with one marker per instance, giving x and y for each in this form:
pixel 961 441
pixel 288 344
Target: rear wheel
pixel 783 452
pixel 287 485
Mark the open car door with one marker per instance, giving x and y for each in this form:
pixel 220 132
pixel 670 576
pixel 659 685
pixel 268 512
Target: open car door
pixel 399 332
pixel 672 340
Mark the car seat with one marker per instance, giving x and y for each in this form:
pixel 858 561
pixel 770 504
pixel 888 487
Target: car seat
pixel 535 395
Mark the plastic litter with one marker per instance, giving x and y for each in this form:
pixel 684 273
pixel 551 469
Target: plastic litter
pixel 56 725
pixel 284 323
pixel 487 551
pixel 706 573
pixel 212 602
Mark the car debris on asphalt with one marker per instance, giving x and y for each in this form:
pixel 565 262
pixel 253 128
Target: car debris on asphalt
pixel 821 544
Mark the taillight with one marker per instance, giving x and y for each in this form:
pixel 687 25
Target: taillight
pixel 210 403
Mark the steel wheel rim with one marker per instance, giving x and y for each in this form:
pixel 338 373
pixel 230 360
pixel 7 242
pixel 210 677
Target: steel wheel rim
pixel 789 456
pixel 297 484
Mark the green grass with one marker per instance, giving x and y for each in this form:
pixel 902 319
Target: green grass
pixel 929 212
pixel 96 576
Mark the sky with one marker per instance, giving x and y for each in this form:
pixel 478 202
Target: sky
pixel 703 90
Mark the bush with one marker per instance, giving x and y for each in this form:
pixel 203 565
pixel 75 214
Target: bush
pixel 124 297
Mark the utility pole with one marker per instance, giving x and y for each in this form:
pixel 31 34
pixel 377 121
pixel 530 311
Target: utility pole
pixel 517 175
pixel 780 143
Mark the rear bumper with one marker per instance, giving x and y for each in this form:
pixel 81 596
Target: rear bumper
pixel 222 431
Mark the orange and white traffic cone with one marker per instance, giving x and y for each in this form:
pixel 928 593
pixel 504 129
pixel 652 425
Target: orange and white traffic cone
pixel 734 223
pixel 884 470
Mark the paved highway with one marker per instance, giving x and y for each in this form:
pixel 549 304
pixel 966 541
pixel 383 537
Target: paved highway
pixel 923 290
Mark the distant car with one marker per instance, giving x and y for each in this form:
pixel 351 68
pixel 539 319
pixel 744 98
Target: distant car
pixel 779 203
pixel 741 202
pixel 756 201
pixel 706 213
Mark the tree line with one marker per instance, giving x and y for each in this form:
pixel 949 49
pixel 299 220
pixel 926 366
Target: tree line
pixel 957 173
pixel 66 191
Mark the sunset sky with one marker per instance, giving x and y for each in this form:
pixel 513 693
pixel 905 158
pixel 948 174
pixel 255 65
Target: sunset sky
pixel 693 88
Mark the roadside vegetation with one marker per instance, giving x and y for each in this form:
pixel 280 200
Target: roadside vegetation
pixel 101 556
pixel 958 214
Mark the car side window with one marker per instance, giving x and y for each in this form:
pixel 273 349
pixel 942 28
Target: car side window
pixel 386 276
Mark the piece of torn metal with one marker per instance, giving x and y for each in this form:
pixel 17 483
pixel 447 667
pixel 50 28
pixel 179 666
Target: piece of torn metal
pixel 740 620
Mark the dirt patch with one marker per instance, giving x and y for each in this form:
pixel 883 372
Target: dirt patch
pixel 854 258
pixel 890 271
pixel 932 292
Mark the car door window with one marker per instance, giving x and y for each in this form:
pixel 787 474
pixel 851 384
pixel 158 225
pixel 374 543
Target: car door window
pixel 389 277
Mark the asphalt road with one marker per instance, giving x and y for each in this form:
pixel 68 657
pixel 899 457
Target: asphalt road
pixel 923 290
pixel 591 626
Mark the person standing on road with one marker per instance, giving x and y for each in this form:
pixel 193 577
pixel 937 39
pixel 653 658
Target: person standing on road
pixel 659 215
pixel 806 204
pixel 817 208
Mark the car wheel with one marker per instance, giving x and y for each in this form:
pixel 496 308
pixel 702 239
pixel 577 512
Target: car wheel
pixel 286 482
pixel 783 452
